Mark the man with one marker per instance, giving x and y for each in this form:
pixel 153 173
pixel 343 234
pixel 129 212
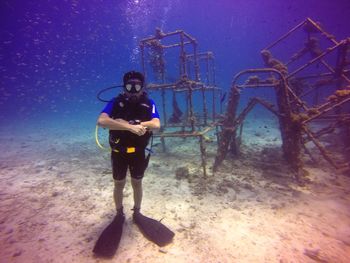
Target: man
pixel 130 117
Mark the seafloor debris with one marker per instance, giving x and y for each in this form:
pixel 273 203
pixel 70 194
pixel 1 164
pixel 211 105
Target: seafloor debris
pixel 182 172
pixel 315 255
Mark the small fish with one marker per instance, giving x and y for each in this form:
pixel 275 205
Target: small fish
pixel 223 97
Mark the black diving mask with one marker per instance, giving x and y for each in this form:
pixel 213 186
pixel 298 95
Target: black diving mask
pixel 133 86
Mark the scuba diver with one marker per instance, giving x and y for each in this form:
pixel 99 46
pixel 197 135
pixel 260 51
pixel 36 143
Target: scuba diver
pixel 130 117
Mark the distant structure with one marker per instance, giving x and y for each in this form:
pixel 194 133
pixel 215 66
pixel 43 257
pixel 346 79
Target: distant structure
pixel 174 67
pixel 312 87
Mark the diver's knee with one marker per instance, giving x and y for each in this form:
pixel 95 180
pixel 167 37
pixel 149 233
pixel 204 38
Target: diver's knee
pixel 119 183
pixel 136 182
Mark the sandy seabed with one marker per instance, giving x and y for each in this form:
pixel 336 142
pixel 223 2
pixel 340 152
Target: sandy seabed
pixel 56 198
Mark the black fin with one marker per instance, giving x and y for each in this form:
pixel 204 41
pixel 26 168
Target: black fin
pixel 108 242
pixel 153 230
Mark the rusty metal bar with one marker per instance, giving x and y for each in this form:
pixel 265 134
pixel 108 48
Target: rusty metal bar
pixel 251 104
pixel 332 106
pixel 204 101
pixel 221 100
pixel 163 36
pixel 328 36
pixel 214 72
pixel 186 134
pixel 333 71
pixel 207 69
pixel 315 59
pixel 203 155
pixel 296 98
pixel 177 45
pixel 308 152
pixel 257 85
pixel 296 56
pixel 176 84
pixel 327 130
pixel 332 117
pixel 190 100
pixel 192 39
pixel 326 74
pixel 196 66
pixel 201 55
pixel 164 105
pixel 285 35
pixel 182 56
pixel 187 106
pixel 198 124
pixel 214 105
pixel 320 147
pixel 306 93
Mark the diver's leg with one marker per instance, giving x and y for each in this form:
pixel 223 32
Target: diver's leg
pixel 137 168
pixel 118 194
pixel 138 193
pixel 119 167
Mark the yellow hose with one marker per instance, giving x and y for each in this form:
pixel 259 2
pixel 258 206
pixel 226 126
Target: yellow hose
pixel 99 144
pixel 97 141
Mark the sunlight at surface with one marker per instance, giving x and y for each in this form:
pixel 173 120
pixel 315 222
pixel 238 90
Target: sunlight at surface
pixel 140 16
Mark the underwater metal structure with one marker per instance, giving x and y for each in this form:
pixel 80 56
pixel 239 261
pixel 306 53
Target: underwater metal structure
pixel 312 88
pixel 185 78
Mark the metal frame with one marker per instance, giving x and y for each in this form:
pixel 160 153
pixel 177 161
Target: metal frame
pixel 295 115
pixel 190 84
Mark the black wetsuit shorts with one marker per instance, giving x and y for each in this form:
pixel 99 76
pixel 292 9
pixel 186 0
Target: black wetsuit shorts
pixel 122 161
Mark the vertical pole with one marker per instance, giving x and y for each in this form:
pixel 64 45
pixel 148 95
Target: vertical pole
pixel 190 99
pixel 227 136
pixel 203 155
pixel 189 69
pixel 213 70
pixel 195 56
pixel 204 105
pixel 207 69
pixel 187 106
pixel 162 139
pixel 182 56
pixel 213 104
pixel 220 94
pixel 290 129
pixel 196 70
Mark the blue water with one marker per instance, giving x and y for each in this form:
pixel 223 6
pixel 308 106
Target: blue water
pixel 56 55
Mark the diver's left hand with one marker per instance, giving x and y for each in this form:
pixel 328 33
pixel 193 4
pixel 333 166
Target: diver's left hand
pixel 138 129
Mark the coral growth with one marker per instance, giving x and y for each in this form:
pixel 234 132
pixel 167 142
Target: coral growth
pixel 273 63
pixel 339 95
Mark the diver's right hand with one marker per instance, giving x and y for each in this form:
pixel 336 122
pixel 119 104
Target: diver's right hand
pixel 138 129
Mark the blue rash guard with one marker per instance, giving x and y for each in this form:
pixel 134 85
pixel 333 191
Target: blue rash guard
pixel 122 160
pixel 109 107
